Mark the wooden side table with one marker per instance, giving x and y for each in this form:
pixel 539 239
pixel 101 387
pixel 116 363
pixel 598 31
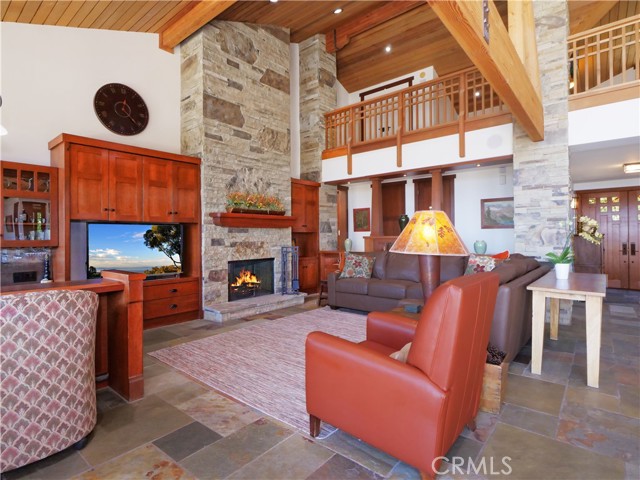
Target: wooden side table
pixel 590 288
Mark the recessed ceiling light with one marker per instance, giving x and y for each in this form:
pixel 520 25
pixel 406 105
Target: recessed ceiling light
pixel 273 1
pixel 477 94
pixel 477 164
pixel 631 168
pixel 387 48
pixel 337 11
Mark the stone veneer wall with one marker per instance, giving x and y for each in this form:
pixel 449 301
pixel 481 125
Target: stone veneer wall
pixel 541 179
pixel 235 116
pixel 318 96
pixel 541 183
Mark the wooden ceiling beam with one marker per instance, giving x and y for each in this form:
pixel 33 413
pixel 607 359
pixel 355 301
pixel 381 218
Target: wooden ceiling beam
pixel 523 36
pixel 197 15
pixel 497 60
pixel 341 36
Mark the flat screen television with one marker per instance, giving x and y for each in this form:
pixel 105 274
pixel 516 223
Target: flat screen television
pixel 135 247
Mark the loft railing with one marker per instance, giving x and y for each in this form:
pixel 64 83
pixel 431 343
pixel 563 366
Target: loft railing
pixel 450 100
pixel 605 56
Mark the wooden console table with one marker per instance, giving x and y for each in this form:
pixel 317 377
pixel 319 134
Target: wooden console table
pixel 118 327
pixel 586 287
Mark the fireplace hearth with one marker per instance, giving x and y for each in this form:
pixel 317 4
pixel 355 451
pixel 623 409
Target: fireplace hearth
pixel 250 278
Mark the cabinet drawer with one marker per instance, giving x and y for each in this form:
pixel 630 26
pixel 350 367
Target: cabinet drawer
pixel 169 290
pixel 169 306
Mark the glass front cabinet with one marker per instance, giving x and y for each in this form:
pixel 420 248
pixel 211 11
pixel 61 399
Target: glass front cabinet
pixel 29 205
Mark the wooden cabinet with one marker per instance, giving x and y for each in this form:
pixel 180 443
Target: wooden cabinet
pixel 29 205
pixel 308 274
pixel 105 185
pixel 111 182
pixel 305 205
pixel 172 190
pixel 166 300
pixel 305 231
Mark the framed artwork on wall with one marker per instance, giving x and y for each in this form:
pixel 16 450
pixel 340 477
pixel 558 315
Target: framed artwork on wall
pixel 496 212
pixel 361 219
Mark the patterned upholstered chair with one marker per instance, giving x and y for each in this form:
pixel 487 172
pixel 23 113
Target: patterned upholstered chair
pixel 47 378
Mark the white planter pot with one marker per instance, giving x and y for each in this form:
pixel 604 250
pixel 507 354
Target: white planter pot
pixel 562 270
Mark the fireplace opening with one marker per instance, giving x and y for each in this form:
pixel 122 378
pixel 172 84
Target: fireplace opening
pixel 250 278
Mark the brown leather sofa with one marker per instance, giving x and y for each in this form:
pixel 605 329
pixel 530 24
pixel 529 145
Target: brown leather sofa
pixel 415 410
pixel 396 280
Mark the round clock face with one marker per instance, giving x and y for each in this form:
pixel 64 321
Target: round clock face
pixel 121 109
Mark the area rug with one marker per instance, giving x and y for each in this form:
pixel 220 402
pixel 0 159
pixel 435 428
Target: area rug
pixel 263 365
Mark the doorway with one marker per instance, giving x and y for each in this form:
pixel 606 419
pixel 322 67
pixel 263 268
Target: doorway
pixel 618 213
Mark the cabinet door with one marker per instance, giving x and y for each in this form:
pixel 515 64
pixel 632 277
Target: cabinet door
pixel 298 201
pixel 125 187
pixel 157 181
pixel 308 273
pixel 312 209
pixel 186 192
pixel 89 183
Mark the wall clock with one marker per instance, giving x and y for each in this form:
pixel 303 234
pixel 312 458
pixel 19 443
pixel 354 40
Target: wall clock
pixel 121 109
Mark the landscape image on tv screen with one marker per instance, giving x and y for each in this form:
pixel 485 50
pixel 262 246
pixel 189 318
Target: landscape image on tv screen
pixel 145 248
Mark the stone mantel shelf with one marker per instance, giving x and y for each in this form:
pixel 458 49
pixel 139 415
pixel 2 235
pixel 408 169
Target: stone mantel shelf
pixel 251 220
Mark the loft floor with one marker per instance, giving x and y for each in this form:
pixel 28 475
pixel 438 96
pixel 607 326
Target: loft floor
pixel 552 426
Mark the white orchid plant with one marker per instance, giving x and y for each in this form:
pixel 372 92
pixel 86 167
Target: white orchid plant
pixel 588 229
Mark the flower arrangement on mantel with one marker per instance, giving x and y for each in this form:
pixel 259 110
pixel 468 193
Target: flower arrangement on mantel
pixel 242 202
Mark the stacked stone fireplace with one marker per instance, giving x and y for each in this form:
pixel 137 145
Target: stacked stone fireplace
pixel 235 116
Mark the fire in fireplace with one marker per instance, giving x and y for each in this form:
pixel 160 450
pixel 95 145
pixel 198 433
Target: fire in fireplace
pixel 250 278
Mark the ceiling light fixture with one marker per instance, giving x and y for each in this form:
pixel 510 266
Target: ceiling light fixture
pixel 572 84
pixel 387 48
pixel 631 167
pixel 273 1
pixel 477 94
pixel 337 11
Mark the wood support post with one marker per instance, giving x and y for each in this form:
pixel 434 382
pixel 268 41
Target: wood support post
pixel 462 115
pixel 125 335
pixel 376 207
pixel 436 189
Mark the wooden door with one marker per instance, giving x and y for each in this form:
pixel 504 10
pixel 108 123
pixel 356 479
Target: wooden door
pixel 125 187
pixel 617 213
pixel 422 189
pixel 157 190
pixel 393 205
pixel 633 203
pixel 186 193
pixel 343 216
pixel 89 183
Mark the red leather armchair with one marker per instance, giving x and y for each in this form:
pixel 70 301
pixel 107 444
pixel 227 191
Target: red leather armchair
pixel 415 410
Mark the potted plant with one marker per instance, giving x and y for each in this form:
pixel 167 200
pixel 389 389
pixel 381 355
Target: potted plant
pixel 562 260
pixel 241 202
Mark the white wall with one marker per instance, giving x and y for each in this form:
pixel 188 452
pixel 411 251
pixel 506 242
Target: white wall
pixel 359 197
pixel 471 186
pixel 632 181
pixel 345 98
pixel 51 74
pixel 602 123
pixel 480 144
pixel 294 80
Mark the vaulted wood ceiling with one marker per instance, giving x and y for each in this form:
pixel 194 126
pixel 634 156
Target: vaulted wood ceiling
pixel 417 37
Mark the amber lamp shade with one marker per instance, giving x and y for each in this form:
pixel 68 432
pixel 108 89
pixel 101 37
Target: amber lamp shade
pixel 430 234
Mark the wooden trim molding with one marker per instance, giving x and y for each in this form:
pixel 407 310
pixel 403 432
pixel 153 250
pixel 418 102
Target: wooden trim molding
pixel 604 96
pixel 250 220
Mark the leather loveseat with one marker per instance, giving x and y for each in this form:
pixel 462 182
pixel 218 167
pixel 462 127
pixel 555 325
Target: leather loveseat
pixel 395 280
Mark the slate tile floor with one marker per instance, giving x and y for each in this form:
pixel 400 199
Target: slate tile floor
pixel 551 426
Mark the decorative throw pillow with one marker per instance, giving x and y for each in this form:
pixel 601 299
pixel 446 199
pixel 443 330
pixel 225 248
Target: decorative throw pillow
pixel 402 354
pixel 357 266
pixel 480 263
pixel 502 255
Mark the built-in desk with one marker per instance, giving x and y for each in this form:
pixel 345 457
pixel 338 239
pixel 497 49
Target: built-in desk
pixel 118 327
